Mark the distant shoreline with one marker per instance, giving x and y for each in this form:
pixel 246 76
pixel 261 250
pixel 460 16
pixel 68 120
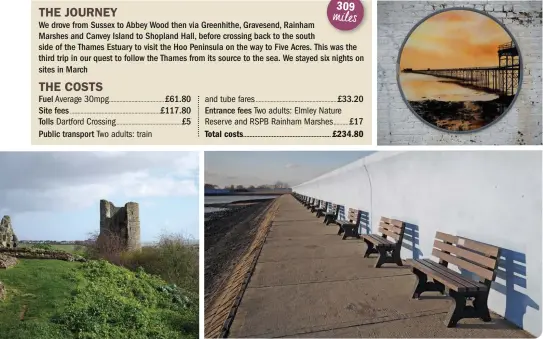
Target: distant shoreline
pixel 236 203
pixel 244 193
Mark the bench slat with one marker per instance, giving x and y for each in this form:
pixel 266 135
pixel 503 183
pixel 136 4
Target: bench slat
pixel 456 276
pixel 353 214
pixel 389 233
pixel 463 253
pixel 371 238
pixel 377 239
pixel 488 250
pixel 480 271
pixel 394 222
pixel 390 227
pixel 397 223
pixel 424 267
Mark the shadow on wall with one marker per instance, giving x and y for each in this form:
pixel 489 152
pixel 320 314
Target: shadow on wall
pixel 511 269
pixel 411 234
pixel 364 226
pixel 341 215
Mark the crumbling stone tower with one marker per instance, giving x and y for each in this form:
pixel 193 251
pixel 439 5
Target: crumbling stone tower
pixel 7 235
pixel 123 222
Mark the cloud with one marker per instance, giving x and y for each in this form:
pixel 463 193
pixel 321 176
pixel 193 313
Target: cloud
pixel 454 39
pixel 46 181
pixel 292 166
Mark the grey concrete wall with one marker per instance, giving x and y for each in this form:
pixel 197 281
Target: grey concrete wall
pixel 397 125
pixel 489 196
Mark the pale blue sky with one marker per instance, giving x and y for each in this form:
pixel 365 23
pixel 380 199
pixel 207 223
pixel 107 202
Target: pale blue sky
pixel 56 195
pixel 268 167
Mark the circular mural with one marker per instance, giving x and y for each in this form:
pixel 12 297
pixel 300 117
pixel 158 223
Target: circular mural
pixel 459 70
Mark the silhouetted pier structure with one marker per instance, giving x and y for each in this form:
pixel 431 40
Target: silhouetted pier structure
pixel 502 79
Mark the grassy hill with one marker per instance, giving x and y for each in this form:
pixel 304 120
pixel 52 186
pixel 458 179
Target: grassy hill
pixel 92 300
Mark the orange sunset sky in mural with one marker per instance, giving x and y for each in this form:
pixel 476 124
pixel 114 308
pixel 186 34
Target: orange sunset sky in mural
pixel 454 39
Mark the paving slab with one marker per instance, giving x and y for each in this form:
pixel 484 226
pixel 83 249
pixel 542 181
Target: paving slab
pixel 310 283
pixel 310 250
pixel 304 271
pixel 424 326
pixel 301 229
pixel 326 305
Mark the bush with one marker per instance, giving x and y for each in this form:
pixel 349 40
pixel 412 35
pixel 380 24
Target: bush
pixel 174 259
pixel 113 302
pixel 108 247
pixel 43 247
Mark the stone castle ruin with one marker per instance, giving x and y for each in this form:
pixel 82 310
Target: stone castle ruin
pixel 7 235
pixel 122 222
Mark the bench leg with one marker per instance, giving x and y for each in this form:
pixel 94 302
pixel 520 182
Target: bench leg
pixel 340 231
pixel 456 311
pixel 350 232
pixel 420 284
pixel 370 249
pixel 397 258
pixel 346 232
pixel 481 307
pixel 382 256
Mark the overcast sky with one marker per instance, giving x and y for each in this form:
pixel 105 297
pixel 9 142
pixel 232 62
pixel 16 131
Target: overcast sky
pixel 56 195
pixel 268 167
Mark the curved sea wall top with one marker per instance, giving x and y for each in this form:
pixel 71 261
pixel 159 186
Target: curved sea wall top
pixel 493 197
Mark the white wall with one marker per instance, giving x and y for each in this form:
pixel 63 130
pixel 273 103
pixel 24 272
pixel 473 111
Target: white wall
pixel 489 196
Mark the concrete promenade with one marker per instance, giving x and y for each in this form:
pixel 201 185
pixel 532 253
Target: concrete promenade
pixel 310 283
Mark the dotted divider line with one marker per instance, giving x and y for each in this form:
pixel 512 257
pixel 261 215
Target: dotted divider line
pixel 152 124
pixel 115 113
pixel 287 136
pixel 136 101
pixel 279 101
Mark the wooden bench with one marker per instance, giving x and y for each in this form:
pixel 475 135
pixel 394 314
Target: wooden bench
pixel 468 255
pixel 309 202
pixel 316 204
pixel 349 227
pixel 331 215
pixel 389 252
pixel 321 210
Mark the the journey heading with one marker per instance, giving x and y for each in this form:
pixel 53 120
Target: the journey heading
pixel 79 12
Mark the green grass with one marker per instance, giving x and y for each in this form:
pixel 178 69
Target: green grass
pixel 93 300
pixel 42 285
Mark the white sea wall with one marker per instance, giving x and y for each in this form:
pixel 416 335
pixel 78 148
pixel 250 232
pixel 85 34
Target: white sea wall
pixel 493 197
